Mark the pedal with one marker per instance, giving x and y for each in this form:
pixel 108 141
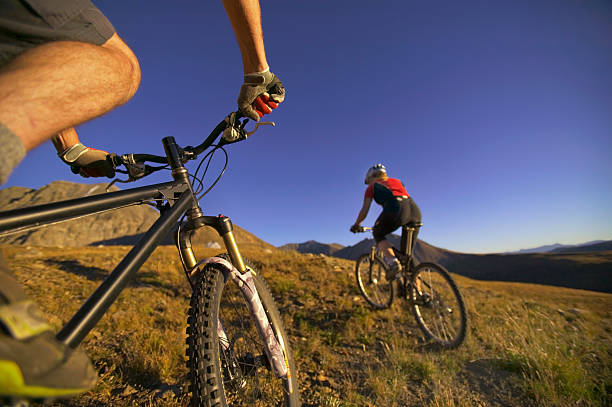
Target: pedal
pixel 402 293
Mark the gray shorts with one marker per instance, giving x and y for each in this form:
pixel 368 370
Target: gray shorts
pixel 25 24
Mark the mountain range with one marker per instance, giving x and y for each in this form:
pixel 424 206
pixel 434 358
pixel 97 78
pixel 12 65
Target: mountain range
pixel 587 266
pixel 354 251
pixel 558 247
pixel 582 266
pixel 313 247
pixel 423 250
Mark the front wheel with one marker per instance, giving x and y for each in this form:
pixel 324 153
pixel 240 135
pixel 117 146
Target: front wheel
pixel 372 281
pixel 226 359
pixel 438 305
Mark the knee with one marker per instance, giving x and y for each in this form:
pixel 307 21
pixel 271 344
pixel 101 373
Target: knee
pixel 383 244
pixel 133 78
pixel 129 65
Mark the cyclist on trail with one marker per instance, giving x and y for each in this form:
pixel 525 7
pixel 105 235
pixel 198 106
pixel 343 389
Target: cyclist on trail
pixel 62 64
pixel 398 209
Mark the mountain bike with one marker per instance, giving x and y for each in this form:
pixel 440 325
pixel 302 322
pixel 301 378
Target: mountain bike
pixel 430 290
pixel 238 353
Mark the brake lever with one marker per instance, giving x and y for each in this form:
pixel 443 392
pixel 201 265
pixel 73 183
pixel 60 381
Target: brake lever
pixel 250 133
pixel 135 170
pixel 188 154
pixel 235 130
pixel 235 133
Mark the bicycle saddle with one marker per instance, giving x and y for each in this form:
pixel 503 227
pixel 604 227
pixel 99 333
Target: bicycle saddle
pixel 413 224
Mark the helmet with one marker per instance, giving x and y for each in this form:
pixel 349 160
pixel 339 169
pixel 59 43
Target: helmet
pixel 372 171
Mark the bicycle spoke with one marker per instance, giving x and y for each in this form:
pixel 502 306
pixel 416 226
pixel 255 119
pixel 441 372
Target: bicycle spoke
pixel 440 322
pixel 445 314
pixel 444 328
pixel 260 383
pixel 238 372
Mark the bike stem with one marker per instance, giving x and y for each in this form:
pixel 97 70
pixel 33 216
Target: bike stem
pixel 195 217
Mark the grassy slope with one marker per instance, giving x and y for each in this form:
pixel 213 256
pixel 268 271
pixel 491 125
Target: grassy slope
pixel 528 345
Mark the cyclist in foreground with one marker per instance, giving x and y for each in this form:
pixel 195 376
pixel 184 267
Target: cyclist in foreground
pixel 398 209
pixel 61 64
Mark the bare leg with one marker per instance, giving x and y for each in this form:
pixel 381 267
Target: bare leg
pixel 61 84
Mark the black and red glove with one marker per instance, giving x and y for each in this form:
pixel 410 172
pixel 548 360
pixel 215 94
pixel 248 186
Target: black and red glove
pixel 260 93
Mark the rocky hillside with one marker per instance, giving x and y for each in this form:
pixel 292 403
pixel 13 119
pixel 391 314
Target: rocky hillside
pixel 313 247
pixel 423 251
pixel 117 227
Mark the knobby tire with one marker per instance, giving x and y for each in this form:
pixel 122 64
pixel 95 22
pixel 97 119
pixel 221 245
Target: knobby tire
pixel 437 305
pixel 372 281
pixel 241 375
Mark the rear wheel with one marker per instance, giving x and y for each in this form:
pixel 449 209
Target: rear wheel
pixel 229 367
pixel 438 305
pixel 372 281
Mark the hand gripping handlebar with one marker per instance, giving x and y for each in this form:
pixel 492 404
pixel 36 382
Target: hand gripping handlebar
pixel 231 130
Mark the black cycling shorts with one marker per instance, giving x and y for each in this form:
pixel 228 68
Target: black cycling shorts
pixel 25 24
pixel 388 221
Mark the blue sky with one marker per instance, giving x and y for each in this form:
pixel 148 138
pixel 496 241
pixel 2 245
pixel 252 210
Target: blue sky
pixel 497 116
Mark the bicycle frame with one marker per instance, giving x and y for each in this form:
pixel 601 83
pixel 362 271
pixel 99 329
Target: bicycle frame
pixel 180 200
pixel 404 254
pixel 98 303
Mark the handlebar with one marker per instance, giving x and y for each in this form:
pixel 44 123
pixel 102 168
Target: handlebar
pixel 362 229
pixel 231 130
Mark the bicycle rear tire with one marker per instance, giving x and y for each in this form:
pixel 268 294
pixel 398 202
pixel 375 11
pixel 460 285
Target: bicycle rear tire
pixel 437 305
pixel 240 375
pixel 372 281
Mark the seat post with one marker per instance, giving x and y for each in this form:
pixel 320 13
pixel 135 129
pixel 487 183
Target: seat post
pixel 408 237
pixel 406 245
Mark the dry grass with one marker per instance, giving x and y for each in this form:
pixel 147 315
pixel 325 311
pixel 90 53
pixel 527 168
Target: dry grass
pixel 527 345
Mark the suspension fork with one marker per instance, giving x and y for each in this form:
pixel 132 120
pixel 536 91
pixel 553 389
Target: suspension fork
pixel 240 275
pixel 371 264
pixel 372 254
pixel 236 270
pixel 223 226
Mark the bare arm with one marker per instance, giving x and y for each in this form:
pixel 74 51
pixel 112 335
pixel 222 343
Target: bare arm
pixel 363 213
pixel 245 16
pixel 65 139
